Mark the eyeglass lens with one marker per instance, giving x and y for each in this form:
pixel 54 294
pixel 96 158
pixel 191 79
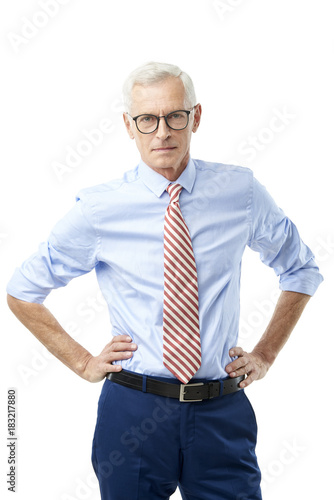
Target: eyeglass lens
pixel 176 121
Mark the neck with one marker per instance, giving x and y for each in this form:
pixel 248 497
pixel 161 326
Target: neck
pixel 172 173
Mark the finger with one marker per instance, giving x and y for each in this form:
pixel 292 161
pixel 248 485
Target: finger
pixel 247 381
pixel 236 351
pixel 121 338
pixel 112 368
pixel 244 370
pixel 237 364
pixel 125 338
pixel 117 356
pixel 123 346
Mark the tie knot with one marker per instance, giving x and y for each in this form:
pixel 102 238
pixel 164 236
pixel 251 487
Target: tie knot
pixel 174 191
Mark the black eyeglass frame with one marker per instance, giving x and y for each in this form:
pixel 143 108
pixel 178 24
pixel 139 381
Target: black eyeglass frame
pixel 188 111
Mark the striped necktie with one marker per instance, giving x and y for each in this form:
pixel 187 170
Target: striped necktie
pixel 181 338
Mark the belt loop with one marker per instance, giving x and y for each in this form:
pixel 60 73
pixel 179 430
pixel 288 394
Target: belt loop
pixel 144 383
pixel 221 388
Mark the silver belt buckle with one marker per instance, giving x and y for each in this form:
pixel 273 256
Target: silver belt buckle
pixel 182 393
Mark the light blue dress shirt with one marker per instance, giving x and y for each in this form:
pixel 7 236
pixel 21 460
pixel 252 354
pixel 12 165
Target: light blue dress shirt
pixel 117 229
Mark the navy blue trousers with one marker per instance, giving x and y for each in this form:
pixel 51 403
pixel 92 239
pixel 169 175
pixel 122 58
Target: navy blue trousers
pixel 145 446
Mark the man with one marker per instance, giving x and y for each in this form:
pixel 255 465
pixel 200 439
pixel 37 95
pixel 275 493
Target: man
pixel 166 243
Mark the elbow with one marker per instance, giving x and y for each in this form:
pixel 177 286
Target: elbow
pixel 24 311
pixel 16 305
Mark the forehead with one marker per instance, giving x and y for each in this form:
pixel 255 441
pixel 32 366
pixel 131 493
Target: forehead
pixel 162 97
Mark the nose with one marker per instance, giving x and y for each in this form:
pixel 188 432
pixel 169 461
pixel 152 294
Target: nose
pixel 163 131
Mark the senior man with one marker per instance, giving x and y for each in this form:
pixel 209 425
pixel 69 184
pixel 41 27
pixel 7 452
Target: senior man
pixel 166 242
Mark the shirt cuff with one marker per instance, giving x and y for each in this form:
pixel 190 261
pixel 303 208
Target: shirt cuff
pixel 303 281
pixel 22 288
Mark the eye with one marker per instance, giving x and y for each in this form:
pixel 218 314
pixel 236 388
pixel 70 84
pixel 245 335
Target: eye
pixel 146 119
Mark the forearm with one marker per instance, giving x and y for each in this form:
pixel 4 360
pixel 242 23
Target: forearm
pixel 288 310
pixel 44 326
pixel 255 365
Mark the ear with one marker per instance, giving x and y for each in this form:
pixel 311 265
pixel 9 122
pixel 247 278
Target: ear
pixel 128 125
pixel 197 117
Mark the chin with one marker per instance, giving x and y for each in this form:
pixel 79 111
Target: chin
pixel 163 163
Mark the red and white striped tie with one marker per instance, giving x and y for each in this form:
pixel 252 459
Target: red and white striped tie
pixel 181 338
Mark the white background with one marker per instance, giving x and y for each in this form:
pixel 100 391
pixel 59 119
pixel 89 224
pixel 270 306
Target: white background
pixel 62 74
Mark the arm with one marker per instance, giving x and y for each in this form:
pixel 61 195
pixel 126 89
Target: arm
pixel 256 364
pixel 39 320
pixel 277 240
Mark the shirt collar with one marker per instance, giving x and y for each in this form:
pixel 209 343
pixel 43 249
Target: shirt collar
pixel 157 183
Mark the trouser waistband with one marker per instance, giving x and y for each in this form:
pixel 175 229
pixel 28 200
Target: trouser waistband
pixel 183 392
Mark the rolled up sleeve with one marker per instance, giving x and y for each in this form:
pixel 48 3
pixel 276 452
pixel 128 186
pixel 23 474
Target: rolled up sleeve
pixel 70 251
pixel 277 240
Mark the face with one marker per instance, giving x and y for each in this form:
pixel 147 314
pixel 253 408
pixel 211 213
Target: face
pixel 166 151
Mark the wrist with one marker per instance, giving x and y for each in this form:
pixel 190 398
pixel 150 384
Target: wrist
pixel 267 357
pixel 81 365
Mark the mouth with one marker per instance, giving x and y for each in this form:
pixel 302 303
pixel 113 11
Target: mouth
pixel 164 150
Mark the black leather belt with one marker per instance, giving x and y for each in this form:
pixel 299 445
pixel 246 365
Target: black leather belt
pixel 182 392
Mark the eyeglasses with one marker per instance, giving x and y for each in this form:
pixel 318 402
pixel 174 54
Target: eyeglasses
pixel 176 120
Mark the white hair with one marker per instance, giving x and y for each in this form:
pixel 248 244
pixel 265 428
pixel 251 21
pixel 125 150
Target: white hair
pixel 154 72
